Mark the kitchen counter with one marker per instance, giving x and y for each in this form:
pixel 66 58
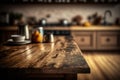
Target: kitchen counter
pixel 85 28
pixel 62 58
pixel 93 27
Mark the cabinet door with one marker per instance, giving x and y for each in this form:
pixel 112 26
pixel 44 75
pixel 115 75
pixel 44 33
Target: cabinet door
pixel 108 40
pixel 85 39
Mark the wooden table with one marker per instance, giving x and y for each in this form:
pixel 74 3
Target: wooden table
pixel 61 60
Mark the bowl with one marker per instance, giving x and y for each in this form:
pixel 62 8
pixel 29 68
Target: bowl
pixel 18 38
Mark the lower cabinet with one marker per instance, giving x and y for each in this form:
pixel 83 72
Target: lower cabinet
pixel 85 40
pixel 108 40
pixel 97 40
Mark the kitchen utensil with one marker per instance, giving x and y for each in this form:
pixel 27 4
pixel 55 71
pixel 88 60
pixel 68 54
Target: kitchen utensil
pixel 43 22
pixel 64 22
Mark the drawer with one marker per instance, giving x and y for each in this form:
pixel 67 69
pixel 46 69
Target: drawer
pixel 107 40
pixel 85 40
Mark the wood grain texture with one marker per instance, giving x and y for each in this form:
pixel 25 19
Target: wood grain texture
pixel 103 65
pixel 62 56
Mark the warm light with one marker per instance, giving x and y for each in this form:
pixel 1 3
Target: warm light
pixel 28 53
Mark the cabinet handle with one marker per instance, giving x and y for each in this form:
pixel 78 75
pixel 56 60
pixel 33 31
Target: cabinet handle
pixel 82 39
pixel 108 40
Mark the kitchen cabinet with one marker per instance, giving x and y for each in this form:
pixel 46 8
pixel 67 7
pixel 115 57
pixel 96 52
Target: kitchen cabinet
pixel 97 40
pixel 108 40
pixel 85 39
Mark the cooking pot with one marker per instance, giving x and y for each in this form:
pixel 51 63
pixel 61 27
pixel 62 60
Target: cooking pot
pixel 64 22
pixel 43 22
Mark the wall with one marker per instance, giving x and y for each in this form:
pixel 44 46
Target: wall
pixel 58 11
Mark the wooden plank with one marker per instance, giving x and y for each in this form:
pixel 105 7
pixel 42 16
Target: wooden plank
pixel 103 65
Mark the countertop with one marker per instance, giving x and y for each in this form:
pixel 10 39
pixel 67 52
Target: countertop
pixel 62 56
pixel 74 28
pixel 93 27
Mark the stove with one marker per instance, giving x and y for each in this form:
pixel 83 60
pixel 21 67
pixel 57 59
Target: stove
pixel 59 32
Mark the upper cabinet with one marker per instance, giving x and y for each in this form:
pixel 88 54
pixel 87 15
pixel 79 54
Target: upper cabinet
pixel 60 1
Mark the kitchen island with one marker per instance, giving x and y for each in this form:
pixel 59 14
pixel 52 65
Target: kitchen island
pixel 61 60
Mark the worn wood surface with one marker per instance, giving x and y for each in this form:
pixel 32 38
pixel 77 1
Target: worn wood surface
pixel 62 56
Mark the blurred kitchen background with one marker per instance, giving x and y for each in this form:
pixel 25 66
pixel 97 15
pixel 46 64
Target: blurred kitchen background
pixel 94 25
pixel 54 13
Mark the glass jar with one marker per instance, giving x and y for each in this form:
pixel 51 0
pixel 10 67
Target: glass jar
pixel 37 34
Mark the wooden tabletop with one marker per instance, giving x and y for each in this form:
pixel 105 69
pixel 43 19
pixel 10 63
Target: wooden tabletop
pixel 62 56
